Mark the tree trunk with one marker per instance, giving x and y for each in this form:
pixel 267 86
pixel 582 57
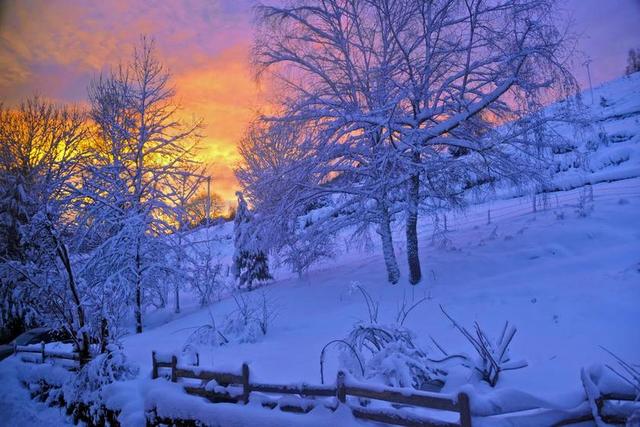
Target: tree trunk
pixel 82 337
pixel 176 285
pixel 177 291
pixel 413 194
pixel 138 302
pixel 104 335
pixel 390 261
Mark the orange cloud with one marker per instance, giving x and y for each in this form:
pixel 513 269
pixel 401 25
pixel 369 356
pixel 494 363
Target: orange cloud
pixel 223 93
pixel 55 47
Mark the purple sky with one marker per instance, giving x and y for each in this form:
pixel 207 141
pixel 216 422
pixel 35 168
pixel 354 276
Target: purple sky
pixel 607 29
pixel 54 47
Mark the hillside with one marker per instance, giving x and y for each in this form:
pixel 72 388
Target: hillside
pixel 566 275
pixel 564 269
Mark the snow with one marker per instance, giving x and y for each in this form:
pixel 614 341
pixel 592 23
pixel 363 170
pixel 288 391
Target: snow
pixel 567 276
pixel 170 401
pixel 16 406
pixel 568 285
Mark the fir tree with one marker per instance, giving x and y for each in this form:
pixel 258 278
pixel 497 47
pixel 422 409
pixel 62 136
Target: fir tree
pixel 250 262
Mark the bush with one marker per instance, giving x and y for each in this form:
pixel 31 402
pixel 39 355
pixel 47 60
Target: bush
pixel 389 355
pixel 493 357
pixel 85 390
pixel 251 320
pixel 386 354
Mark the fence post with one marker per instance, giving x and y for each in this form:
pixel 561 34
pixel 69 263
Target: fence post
pixel 42 350
pixel 465 411
pixel 154 366
pixel 174 364
pixel 488 216
pixel 341 392
pixel 197 359
pixel 445 223
pixel 246 389
pixel 15 348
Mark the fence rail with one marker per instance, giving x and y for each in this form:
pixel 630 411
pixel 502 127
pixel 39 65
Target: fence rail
pixel 501 209
pixel 236 388
pixel 44 354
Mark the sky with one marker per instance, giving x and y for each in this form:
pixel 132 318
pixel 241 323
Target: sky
pixel 55 47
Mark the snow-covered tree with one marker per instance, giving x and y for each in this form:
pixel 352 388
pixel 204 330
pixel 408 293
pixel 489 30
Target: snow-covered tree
pixel 184 187
pixel 41 153
pixel 140 149
pixel 633 61
pixel 275 176
pixel 404 96
pixel 205 271
pixel 250 262
pixel 16 210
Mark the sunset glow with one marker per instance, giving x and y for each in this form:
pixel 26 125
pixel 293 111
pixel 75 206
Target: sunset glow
pixel 54 48
pixel 434 202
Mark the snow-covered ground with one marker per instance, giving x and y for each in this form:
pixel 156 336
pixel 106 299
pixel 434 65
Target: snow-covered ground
pixel 567 275
pixel 569 283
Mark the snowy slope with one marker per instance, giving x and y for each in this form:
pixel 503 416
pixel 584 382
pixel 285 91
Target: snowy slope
pixel 609 149
pixel 569 284
pixel 567 275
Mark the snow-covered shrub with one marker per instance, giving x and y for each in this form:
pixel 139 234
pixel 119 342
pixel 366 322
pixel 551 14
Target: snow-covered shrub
pixel 242 326
pixel 207 335
pixel 86 389
pixel 492 356
pixel 44 381
pixel 206 274
pixel 388 354
pixel 585 202
pixel 627 372
pixel 267 312
pixel 251 320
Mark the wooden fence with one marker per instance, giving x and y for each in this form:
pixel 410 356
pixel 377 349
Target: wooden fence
pixel 44 354
pixel 237 387
pixel 601 405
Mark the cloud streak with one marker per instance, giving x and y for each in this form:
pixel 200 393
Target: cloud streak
pixel 55 47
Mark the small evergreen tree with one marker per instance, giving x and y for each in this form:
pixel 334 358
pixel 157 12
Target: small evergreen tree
pixel 633 61
pixel 250 262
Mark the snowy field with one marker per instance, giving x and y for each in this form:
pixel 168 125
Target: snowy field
pixel 567 275
pixel 569 283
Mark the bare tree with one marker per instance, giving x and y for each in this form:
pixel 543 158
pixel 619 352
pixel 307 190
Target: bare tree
pixel 412 94
pixel 141 149
pixel 41 153
pixel 183 187
pixel 201 203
